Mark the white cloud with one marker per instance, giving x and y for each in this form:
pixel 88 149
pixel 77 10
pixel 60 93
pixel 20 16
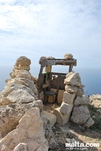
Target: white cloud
pixel 50 27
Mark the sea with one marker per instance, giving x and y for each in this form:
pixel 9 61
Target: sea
pixel 90 77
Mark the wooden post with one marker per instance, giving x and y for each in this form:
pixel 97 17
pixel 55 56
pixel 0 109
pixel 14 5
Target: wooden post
pixel 70 68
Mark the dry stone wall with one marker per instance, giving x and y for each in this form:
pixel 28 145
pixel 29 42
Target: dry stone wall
pixel 21 125
pixel 74 103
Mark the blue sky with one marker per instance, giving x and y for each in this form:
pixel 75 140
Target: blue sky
pixel 35 28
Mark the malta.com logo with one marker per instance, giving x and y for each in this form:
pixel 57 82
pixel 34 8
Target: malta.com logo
pixel 80 146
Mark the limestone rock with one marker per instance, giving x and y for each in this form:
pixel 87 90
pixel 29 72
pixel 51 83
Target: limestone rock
pixel 24 74
pixel 50 57
pixel 4 101
pixel 22 84
pixel 9 118
pixel 11 114
pixel 73 79
pixel 42 58
pixel 21 147
pixel 89 122
pixel 34 79
pixel 80 114
pixel 24 61
pixel 82 100
pixel 71 89
pixel 52 144
pixel 80 91
pixel 20 67
pixel 41 95
pixel 21 96
pixel 39 104
pixel 66 108
pixel 50 117
pixel 68 56
pixel 14 73
pixel 29 131
pixel 61 118
pixel 68 98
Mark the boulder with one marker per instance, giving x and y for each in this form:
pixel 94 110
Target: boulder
pixel 71 89
pixel 68 97
pixel 11 114
pixel 61 118
pixel 21 96
pixel 29 134
pixel 89 122
pixel 66 108
pixel 80 114
pixel 82 100
pixel 73 79
pixel 68 56
pixel 50 117
pixel 21 146
pixel 24 61
pixel 80 91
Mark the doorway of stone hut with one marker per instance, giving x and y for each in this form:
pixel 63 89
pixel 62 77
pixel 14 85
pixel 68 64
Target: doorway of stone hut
pixel 51 84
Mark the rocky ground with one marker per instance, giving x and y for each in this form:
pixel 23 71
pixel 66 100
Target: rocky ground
pixel 74 132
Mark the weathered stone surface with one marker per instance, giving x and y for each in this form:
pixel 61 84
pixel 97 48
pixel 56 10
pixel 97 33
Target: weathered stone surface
pixel 52 144
pixel 50 117
pixel 61 118
pixel 82 100
pixel 22 84
pixel 71 89
pixel 95 97
pixel 21 147
pixel 24 74
pixel 11 114
pixel 68 98
pixel 73 79
pixel 4 101
pixel 23 67
pixel 41 59
pixel 80 114
pixel 66 108
pixel 39 104
pixel 34 79
pixel 29 131
pixel 20 67
pixel 41 95
pixel 21 96
pixel 80 91
pixel 24 61
pixel 89 122
pixel 68 56
pixel 14 73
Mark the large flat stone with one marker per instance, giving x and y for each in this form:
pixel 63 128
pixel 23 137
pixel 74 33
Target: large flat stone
pixel 50 117
pixel 68 98
pixel 66 108
pixel 61 118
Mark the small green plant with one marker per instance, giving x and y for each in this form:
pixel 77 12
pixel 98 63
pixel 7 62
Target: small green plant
pixel 97 124
pixel 97 118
